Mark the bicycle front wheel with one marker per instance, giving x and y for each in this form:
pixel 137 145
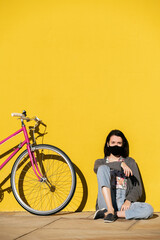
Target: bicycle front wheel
pixel 54 190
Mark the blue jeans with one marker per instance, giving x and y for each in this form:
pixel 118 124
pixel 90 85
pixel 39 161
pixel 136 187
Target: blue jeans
pixel 137 210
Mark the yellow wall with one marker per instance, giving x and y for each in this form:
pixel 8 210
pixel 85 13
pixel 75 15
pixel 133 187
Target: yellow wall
pixel 85 68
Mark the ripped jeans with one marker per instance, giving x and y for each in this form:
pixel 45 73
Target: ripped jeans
pixel 137 210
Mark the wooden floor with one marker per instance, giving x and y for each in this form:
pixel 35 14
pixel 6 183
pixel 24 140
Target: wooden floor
pixel 68 226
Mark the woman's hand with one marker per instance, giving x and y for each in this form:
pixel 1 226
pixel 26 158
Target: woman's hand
pixel 126 205
pixel 126 169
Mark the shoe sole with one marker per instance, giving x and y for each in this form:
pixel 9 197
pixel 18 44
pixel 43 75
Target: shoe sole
pixel 110 221
pixel 107 221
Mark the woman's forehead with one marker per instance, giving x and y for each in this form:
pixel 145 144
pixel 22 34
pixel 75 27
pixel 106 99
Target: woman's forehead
pixel 116 138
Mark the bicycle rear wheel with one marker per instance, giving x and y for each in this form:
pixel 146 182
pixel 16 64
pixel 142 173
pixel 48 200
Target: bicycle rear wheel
pixel 55 189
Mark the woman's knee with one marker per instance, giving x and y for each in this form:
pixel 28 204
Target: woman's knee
pixel 103 169
pixel 139 210
pixel 148 210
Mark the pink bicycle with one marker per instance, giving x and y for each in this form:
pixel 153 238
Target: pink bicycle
pixel 43 178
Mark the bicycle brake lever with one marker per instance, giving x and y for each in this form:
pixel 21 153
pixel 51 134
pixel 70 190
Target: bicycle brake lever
pixel 38 120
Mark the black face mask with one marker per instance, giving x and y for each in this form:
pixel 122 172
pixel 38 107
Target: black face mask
pixel 116 150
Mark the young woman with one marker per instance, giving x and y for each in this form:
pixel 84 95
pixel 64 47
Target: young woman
pixel 119 182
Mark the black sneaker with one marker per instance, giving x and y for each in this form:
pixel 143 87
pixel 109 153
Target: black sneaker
pixel 110 218
pixel 100 213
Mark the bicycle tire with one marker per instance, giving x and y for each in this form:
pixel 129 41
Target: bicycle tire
pixel 36 196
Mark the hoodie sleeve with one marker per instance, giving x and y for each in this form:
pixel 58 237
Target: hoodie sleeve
pixel 112 165
pixel 134 182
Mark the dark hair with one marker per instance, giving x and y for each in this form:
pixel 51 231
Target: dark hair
pixel 125 145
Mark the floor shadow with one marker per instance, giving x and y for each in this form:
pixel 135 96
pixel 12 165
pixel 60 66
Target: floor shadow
pixel 154 216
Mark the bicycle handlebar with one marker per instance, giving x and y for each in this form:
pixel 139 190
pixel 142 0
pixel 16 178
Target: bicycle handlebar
pixel 22 116
pixel 17 115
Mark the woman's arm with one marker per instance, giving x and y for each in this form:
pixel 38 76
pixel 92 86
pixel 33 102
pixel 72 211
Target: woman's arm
pixel 127 171
pixel 113 165
pixel 134 182
pixel 117 165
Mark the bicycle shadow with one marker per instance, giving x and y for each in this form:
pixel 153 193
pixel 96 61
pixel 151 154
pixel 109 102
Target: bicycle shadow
pixel 77 204
pixel 85 189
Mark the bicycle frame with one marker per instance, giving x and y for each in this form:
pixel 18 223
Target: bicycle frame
pixel 26 141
